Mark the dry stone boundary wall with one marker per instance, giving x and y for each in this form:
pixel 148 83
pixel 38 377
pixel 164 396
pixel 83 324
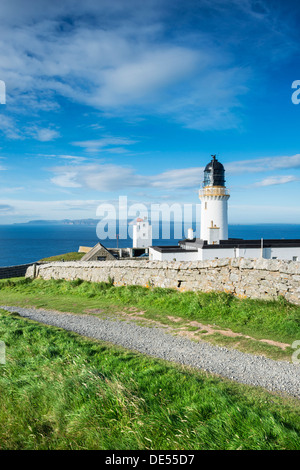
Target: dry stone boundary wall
pixel 254 278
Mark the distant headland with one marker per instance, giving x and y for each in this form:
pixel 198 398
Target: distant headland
pixel 92 222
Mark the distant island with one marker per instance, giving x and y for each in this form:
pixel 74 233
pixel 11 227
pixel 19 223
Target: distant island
pixel 92 222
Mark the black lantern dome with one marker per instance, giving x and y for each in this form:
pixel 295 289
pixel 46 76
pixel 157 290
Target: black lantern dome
pixel 214 173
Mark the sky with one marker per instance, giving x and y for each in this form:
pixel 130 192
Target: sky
pixel 107 99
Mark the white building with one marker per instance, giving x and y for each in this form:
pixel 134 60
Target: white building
pixel 141 233
pixel 214 242
pixel 200 250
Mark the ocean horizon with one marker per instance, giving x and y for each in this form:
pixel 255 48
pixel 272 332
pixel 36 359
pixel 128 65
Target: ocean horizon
pixel 26 243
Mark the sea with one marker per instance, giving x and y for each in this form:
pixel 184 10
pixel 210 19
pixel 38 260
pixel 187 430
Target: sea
pixel 26 243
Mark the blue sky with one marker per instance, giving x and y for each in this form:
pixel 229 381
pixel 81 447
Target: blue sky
pixel 113 98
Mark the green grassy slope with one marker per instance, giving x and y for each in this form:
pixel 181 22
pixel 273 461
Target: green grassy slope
pixel 61 391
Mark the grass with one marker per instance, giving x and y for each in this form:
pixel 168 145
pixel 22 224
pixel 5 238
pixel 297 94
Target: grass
pixel 73 256
pixel 250 346
pixel 275 320
pixel 61 391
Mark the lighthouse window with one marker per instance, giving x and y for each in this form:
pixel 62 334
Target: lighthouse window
pixel 295 258
pixel 205 205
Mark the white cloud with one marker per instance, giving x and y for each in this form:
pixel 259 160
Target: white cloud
pixel 109 144
pixel 273 180
pixel 42 134
pixel 258 165
pixel 105 177
pixel 128 58
pixel 66 180
pixel 11 128
pixel 6 190
pixel 8 127
pixel 117 67
pixel 179 178
pixel 30 209
pixel 73 159
pixel 111 177
pixel 4 208
pixel 141 78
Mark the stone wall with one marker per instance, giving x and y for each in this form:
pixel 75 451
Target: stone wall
pixel 255 278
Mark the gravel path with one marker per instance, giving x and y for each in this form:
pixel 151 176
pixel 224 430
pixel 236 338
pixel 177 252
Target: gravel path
pixel 277 376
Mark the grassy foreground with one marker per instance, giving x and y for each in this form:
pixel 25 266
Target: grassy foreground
pixel 272 320
pixel 61 391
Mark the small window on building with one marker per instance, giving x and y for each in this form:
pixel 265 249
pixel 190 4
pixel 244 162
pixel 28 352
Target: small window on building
pixel 101 258
pixel 205 206
pixel 295 258
pixel 274 257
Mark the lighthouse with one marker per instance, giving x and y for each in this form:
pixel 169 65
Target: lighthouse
pixel 214 242
pixel 214 197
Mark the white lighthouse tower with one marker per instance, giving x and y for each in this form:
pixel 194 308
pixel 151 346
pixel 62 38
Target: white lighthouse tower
pixel 214 197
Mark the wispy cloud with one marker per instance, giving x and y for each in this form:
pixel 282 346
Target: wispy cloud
pixel 6 208
pixel 178 179
pixel 146 65
pixel 67 179
pixel 13 129
pixel 42 134
pixel 53 209
pixel 138 80
pixel 103 178
pixel 73 159
pixel 11 189
pixel 258 165
pixel 273 180
pixel 110 177
pixel 108 144
pixel 8 127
